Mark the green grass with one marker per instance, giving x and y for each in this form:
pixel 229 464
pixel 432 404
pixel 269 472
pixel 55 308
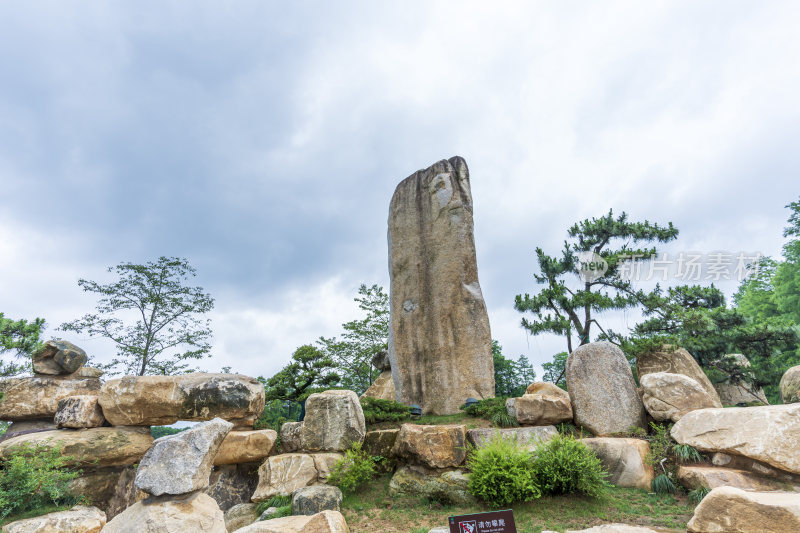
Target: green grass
pixel 35 513
pixel 373 509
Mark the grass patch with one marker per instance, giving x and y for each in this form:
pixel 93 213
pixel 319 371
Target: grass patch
pixel 372 508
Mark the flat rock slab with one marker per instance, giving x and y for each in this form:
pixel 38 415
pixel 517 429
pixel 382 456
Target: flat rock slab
pixel 190 513
pixel 285 473
pixel 77 520
pixel 529 437
pixel 624 460
pixel 312 500
pixel 334 421
pixel 324 522
pixel 546 389
pixel 246 446
pixel 440 345
pixel 696 476
pixel 768 433
pixel 539 410
pixel 676 361
pixel 181 463
pixel 96 447
pixel 432 446
pixel 670 396
pixel 163 400
pixel 732 510
pixel 382 388
pixel 79 412
pixel 37 397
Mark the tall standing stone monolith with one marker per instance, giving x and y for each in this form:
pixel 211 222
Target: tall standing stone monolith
pixel 440 345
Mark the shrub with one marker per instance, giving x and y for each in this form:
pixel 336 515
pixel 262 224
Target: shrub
pixel 502 473
pixel 564 465
pixel 353 470
pixel 493 409
pixel 662 484
pixel 33 478
pixel 377 410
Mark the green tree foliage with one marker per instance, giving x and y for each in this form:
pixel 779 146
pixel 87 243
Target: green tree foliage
pixel 568 306
pixel 377 410
pixel 511 378
pixel 362 339
pixel 20 339
pixel 554 370
pixel 277 412
pixel 168 329
pixel 309 371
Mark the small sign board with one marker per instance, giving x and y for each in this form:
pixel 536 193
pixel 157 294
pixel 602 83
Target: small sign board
pixel 493 522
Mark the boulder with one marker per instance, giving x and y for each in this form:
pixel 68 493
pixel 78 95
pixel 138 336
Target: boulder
pixel 602 391
pixel 740 393
pixel 624 460
pixel 240 516
pixel 188 513
pixel 676 361
pixel 324 522
pixel 546 389
pixel 530 437
pixel 379 443
pixel 312 500
pixel 87 372
pixel 450 486
pixel 37 397
pixel 231 485
pixel 181 463
pixel 58 357
pixel 79 519
pixel 440 345
pixel 768 433
pixel 759 468
pixel 696 476
pixel 79 412
pixel 670 396
pixel 334 421
pixel 382 388
pixel 95 447
pixel 432 446
pixel 163 400
pixel 285 473
pixel 732 510
pixel 291 433
pixel 110 488
pixel 381 361
pixel 538 410
pixel 246 446
pixel 790 385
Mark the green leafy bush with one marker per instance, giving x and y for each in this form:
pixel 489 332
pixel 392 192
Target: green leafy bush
pixel 493 409
pixel 564 465
pixel 502 473
pixel 377 410
pixel 34 477
pixel 353 470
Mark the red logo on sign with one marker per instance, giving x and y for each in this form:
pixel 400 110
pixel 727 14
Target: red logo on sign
pixel 468 527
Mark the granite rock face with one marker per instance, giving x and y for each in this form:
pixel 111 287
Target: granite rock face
pixel 190 513
pixel 334 421
pixel 546 389
pixel 602 391
pixel 670 396
pixel 731 510
pixel 285 473
pixel 790 385
pixel 696 476
pixel 530 437
pixel 676 361
pixel 451 486
pixel 79 412
pixel 181 463
pixel 768 434
pixel 440 346
pixel 381 361
pixel 538 410
pixel 109 488
pixel 382 388
pixel 740 393
pixel 324 522
pixel 291 433
pixel 163 400
pixel 79 519
pixel 246 446
pixel 624 460
pixel 37 397
pixel 231 485
pixel 312 500
pixel 58 357
pixel 379 443
pixel 431 446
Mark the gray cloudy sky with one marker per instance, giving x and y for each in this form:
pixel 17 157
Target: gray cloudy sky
pixel 263 141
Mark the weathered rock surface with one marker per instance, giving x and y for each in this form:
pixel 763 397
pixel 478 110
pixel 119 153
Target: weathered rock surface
pixel 79 412
pixel 613 528
pixel 27 426
pixel 324 522
pixel 312 500
pixel 382 388
pixel 768 433
pixel 58 356
pixel 96 447
pixel 529 437
pixel 711 477
pixel 676 361
pixel 432 446
pixel 163 400
pixel 79 519
pixel 602 391
pixel 181 463
pixel 740 393
pixel 379 443
pixel 538 410
pixel 285 473
pixel 670 396
pixel 334 421
pixel 440 346
pixel 731 510
pixel 231 485
pixel 110 489
pixel 624 459
pixel 381 361
pixel 87 372
pixel 246 446
pixel 760 468
pixel 291 433
pixel 240 516
pixel 790 385
pixel 546 389
pixel 37 397
pixel 449 486
pixel 188 513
